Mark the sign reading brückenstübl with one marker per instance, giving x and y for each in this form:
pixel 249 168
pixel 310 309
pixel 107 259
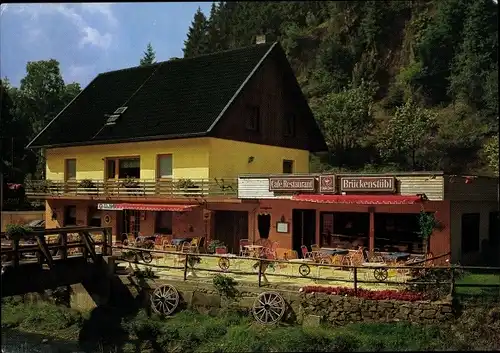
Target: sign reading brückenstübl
pixel 367 184
pixel 292 184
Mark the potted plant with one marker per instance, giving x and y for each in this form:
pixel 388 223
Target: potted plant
pixel 16 231
pixel 212 245
pixel 186 185
pixel 88 186
pixel 427 223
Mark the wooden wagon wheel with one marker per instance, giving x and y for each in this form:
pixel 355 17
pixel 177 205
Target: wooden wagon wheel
pixel 165 299
pixel 224 264
pixel 146 256
pixel 380 274
pixel 304 270
pixel 268 308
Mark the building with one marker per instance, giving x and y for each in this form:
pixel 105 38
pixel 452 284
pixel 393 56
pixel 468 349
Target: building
pixel 158 148
pixel 378 211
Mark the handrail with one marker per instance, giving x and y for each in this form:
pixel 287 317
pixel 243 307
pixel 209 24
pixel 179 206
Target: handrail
pixel 134 187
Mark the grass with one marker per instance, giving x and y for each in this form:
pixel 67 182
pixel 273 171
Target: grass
pixel 480 279
pixel 190 332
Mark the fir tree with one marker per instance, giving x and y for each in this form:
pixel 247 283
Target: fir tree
pixel 197 38
pixel 149 56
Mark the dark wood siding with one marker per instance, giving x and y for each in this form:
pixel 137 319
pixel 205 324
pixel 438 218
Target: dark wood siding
pixel 275 91
pixel 230 227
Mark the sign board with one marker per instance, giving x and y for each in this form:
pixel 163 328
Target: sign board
pixel 109 207
pixel 282 227
pixel 327 184
pixel 292 184
pixel 368 184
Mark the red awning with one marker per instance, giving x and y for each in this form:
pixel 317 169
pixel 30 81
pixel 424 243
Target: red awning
pixel 360 199
pixel 154 207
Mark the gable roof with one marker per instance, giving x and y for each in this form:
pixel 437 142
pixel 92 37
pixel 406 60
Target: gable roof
pixel 171 99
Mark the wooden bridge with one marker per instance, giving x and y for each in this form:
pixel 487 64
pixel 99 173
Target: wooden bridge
pixel 51 258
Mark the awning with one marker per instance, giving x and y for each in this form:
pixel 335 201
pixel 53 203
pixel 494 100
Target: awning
pixel 360 199
pixel 154 207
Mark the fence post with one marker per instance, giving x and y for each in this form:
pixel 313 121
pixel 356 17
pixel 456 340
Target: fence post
pixel 260 272
pixel 355 281
pixel 452 278
pixel 186 266
pixel 64 246
pixel 15 254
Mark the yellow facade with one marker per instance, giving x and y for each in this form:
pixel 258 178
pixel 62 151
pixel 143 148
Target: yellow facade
pixel 195 158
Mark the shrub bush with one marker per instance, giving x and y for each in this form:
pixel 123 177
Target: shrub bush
pixel 367 294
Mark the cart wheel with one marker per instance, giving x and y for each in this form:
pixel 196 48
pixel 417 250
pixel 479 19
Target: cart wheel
pixel 164 300
pixel 304 270
pixel 380 274
pixel 268 308
pixel 224 264
pixel 146 257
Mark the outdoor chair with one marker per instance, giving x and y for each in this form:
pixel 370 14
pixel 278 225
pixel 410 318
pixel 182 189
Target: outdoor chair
pixel 315 248
pixel 170 248
pixel 306 254
pixel 243 250
pixel 195 242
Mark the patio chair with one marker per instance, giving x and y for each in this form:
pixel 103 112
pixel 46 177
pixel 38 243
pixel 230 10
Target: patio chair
pixel 195 242
pixel 315 248
pixel 243 250
pixel 306 254
pixel 180 259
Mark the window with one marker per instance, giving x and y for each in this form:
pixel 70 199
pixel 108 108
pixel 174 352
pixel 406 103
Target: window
pixel 164 166
pixel 70 216
pixel 289 128
pixel 163 222
pixel 70 169
pixel 122 168
pixel 470 232
pixel 287 167
pixel 94 217
pixel 253 118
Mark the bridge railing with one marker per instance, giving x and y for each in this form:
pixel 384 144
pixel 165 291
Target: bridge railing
pixel 58 243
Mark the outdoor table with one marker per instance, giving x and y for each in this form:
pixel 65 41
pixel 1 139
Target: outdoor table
pixel 179 241
pixel 253 249
pixel 397 256
pixel 334 251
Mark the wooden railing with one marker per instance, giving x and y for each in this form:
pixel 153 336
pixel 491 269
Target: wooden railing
pixel 56 244
pixel 133 187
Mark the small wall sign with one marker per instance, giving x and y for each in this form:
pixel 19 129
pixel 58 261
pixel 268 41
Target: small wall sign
pixel 368 184
pixel 292 184
pixel 109 207
pixel 327 184
pixel 282 227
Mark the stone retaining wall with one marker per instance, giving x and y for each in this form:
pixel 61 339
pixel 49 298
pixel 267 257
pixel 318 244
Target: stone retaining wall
pixel 334 309
pixel 340 310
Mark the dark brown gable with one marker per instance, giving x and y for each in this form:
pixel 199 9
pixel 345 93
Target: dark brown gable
pixel 271 110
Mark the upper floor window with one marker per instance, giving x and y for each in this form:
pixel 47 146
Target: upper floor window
pixel 122 168
pixel 287 167
pixel 70 169
pixel 253 118
pixel 164 166
pixel 289 128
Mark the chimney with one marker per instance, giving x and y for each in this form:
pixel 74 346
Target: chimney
pixel 260 39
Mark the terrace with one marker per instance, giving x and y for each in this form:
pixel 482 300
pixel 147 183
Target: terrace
pixel 172 188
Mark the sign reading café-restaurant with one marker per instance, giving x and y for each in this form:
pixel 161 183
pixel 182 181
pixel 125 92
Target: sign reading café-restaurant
pixel 367 184
pixel 292 184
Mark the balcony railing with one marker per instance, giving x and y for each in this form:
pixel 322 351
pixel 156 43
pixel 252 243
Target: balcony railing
pixel 133 187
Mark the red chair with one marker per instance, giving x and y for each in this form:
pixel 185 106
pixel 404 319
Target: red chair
pixel 306 254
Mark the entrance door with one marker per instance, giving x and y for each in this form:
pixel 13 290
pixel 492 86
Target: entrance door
pixel 230 227
pixel 303 228
pixel 131 222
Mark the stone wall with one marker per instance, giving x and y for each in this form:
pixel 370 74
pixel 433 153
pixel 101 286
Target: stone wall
pixel 334 309
pixel 338 310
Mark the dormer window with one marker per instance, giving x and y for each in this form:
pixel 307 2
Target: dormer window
pixel 252 118
pixel 289 125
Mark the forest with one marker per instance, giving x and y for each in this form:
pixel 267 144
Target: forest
pixel 394 85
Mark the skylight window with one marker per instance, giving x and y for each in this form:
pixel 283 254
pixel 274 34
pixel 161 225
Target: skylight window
pixel 111 119
pixel 120 110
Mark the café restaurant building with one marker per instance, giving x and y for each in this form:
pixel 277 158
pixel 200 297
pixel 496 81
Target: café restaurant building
pixel 378 211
